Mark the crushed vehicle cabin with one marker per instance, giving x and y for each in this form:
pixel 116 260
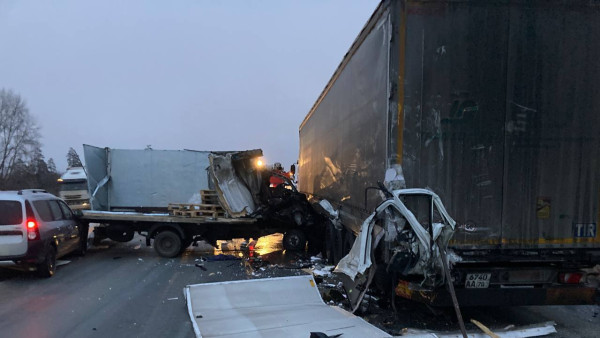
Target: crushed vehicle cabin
pixel 491 107
pixel 176 198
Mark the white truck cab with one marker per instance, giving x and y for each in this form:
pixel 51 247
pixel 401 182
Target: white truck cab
pixel 74 189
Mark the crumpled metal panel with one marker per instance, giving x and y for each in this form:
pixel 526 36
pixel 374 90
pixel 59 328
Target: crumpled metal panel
pixel 234 194
pixel 96 170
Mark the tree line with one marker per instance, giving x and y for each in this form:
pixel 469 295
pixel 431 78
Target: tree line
pixel 22 163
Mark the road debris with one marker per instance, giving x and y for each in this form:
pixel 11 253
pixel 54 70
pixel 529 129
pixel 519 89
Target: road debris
pixel 484 328
pixel 222 257
pixel 535 330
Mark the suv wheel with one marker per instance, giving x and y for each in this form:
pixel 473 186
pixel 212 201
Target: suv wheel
pixel 48 267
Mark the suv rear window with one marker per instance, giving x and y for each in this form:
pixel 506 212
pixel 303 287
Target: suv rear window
pixel 11 212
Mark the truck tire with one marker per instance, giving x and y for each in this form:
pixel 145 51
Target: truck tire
pixel 294 240
pixel 167 244
pixel 47 268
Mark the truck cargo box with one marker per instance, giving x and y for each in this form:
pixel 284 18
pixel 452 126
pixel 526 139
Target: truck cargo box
pixel 494 105
pixel 125 179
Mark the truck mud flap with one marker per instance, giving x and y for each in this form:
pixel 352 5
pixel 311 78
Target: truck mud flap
pixel 273 307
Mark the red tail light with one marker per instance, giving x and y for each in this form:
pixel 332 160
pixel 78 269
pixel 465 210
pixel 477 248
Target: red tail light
pixel 33 231
pixel 570 277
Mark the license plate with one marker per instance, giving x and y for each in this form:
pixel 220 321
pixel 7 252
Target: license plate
pixel 477 280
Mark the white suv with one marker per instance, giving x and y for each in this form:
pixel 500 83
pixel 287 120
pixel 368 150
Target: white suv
pixel 36 228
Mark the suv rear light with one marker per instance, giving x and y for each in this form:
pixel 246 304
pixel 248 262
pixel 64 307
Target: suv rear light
pixel 570 277
pixel 33 230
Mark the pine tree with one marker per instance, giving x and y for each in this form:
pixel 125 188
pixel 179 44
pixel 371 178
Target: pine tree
pixel 73 159
pixel 51 166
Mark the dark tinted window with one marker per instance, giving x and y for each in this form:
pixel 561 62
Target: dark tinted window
pixel 43 210
pixel 73 186
pixel 11 212
pixel 66 210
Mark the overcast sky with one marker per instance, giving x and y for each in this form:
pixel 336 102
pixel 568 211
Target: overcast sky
pixel 204 75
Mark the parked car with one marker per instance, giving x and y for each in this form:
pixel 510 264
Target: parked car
pixel 36 228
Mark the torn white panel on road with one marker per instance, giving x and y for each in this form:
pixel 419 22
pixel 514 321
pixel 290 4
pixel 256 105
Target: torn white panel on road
pixel 274 307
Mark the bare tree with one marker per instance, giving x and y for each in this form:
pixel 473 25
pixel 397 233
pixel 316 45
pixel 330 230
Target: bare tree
pixel 19 133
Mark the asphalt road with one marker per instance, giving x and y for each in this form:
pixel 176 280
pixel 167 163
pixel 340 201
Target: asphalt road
pixel 126 290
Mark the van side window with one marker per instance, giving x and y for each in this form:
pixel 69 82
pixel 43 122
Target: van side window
pixel 67 214
pixel 57 214
pixel 43 210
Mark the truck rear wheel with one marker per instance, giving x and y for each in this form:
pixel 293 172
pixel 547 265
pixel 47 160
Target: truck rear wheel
pixel 294 240
pixel 167 244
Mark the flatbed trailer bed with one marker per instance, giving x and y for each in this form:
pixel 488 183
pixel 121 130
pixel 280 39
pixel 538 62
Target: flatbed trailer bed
pixel 170 235
pixel 102 216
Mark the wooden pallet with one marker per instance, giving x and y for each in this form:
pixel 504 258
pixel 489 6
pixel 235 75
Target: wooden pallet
pixel 208 193
pixel 196 210
pixel 214 214
pixel 209 197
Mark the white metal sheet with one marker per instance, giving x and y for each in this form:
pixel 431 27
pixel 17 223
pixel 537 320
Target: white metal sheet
pixel 273 307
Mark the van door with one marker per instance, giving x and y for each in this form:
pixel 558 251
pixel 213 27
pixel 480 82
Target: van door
pixel 13 235
pixel 65 227
pixel 51 225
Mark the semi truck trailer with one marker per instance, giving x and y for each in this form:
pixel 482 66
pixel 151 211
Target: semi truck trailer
pixel 493 107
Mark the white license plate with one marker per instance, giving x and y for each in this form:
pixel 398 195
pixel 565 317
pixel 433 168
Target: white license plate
pixel 477 280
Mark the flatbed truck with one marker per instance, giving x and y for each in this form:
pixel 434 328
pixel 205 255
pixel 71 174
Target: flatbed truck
pixel 127 198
